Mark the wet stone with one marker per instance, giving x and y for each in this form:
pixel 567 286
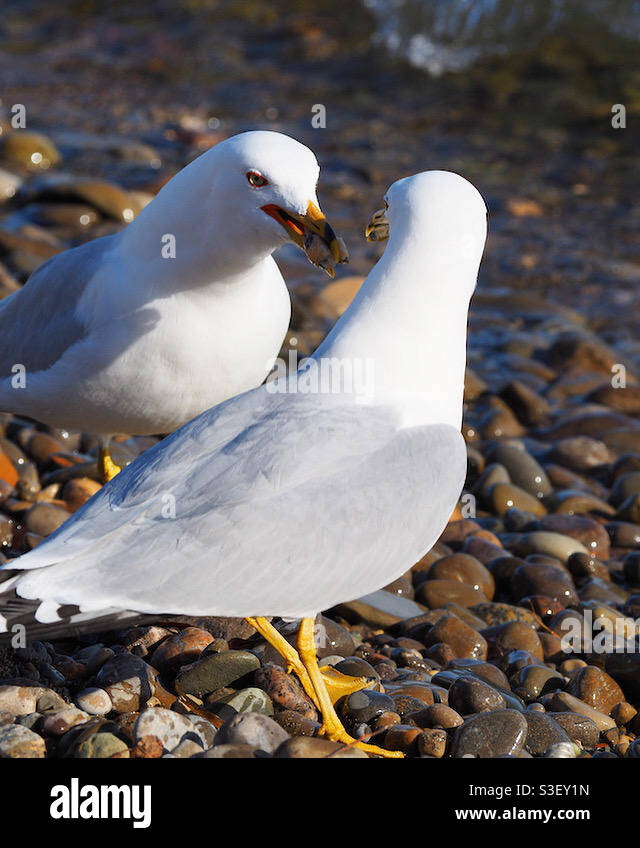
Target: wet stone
pixel 532 681
pixel 498 733
pixel 402 737
pixel 506 496
pixel 249 700
pixel 284 690
pixel 466 569
pixel 463 640
pixel 435 593
pixel 564 702
pixel 436 716
pixel 214 671
pixel 296 724
pixel 578 728
pixel 180 649
pixel 432 742
pixel 542 733
pixel 513 636
pixel 467 695
pixel 488 672
pixel 524 471
pixel 302 747
pixel 539 579
pixel 597 689
pixel 258 731
pixel 363 706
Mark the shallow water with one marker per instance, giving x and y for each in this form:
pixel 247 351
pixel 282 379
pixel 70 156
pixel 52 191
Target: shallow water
pixel 131 94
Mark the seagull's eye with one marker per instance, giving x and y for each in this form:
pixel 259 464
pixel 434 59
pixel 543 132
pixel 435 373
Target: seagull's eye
pixel 256 179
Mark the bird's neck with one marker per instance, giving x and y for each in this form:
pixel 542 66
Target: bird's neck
pixel 189 237
pixel 406 330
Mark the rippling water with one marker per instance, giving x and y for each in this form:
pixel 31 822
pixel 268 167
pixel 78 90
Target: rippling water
pixel 450 35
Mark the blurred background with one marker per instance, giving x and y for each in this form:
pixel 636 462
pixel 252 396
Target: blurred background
pixel 516 95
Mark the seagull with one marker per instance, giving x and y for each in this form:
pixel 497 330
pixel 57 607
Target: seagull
pixel 310 490
pixel 141 331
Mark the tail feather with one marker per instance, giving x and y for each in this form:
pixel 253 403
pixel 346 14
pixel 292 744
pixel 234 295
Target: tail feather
pixel 44 619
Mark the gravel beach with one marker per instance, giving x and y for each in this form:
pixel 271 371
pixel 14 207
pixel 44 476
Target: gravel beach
pixel 495 644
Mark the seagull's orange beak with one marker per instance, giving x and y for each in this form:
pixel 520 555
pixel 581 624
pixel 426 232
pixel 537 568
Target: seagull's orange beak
pixel 302 229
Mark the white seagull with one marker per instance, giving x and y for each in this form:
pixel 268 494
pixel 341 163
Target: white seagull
pixel 141 331
pixel 304 492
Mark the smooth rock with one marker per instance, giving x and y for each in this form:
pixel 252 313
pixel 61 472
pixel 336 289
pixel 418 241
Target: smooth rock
pixel 499 733
pixel 94 701
pixel 254 729
pixel 18 742
pixel 215 671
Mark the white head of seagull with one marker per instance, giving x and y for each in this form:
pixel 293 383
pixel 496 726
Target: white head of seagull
pixel 234 205
pixel 410 315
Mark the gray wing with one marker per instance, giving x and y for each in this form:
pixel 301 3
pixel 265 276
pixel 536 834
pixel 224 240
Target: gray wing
pixel 38 322
pixel 315 500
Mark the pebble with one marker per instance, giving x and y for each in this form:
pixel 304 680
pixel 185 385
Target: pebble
pixel 436 716
pixel 58 723
pixel 101 746
pixel 463 640
pixel 436 593
pixel 44 518
pixel 258 731
pixel 563 702
pixel 597 689
pixel 305 747
pixel 579 728
pixel 17 741
pixel 465 569
pixel 513 636
pixel 542 733
pixel 532 681
pixel 249 700
pixel 94 701
pixel 499 733
pixel 551 544
pixel 539 579
pixel 30 149
pixel 180 649
pixel 505 496
pixel 128 681
pixel 214 671
pixel 171 728
pixel 468 695
pixel 284 690
pixel 432 742
pixel 524 471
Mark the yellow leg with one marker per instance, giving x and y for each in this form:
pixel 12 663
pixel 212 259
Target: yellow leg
pixel 331 724
pixel 106 466
pixel 337 684
pixel 286 651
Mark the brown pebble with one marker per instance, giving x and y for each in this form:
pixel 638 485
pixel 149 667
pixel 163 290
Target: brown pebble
pixel 435 593
pixel 512 636
pixel 432 742
pixel 437 715
pixel 284 690
pixel 465 569
pixel 463 640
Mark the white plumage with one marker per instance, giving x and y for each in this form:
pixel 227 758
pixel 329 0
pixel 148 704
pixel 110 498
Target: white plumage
pixel 118 336
pixel 285 503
